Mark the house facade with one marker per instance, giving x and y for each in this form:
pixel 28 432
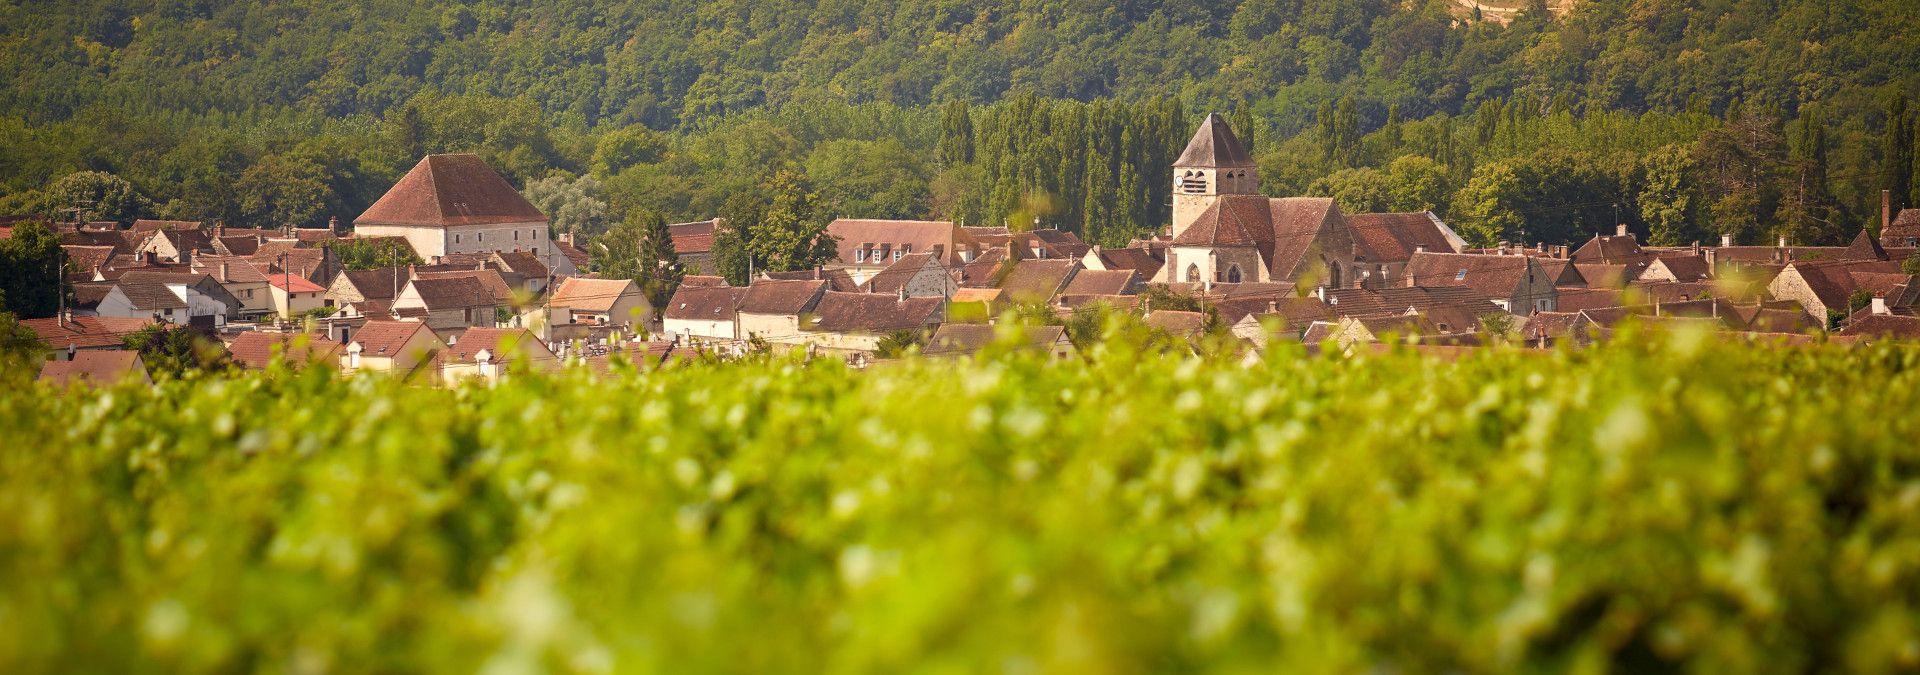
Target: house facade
pixel 451 204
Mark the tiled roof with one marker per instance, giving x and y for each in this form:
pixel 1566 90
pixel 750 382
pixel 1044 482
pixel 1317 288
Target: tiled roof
pixel 229 269
pixel 1102 282
pixel 1600 275
pixel 1037 280
pixel 386 338
pixel 151 295
pixel 499 292
pixel 1496 276
pixel 1612 250
pixel 97 367
pixel 901 272
pixel 86 332
pixel 1296 313
pixel 378 284
pixel 156 225
pixel 454 293
pixel 1142 261
pixel 692 238
pixel 1575 299
pixel 524 263
pixel 123 242
pixel 504 345
pixel 958 339
pixel 1832 281
pixel 294 283
pixel 837 279
pixel 705 303
pixel 1865 247
pixel 1906 226
pixel 1884 326
pixel 1179 324
pixel 767 296
pixel 1393 237
pixel 1214 145
pixel 920 236
pixel 1685 267
pixel 256 349
pixel 873 313
pixel 237 244
pixel 592 295
pixel 1283 230
pixel 700 280
pixel 87 258
pixel 579 258
pixel 445 190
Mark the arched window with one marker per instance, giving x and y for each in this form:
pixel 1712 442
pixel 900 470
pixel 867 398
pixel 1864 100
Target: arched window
pixel 1193 274
pixel 1333 276
pixel 1233 274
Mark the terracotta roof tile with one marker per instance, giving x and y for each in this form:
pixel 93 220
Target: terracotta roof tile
pixel 504 345
pixel 445 190
pixel 704 303
pixel 103 368
pixel 256 349
pixel 1103 282
pixel 768 296
pixel 458 292
pixel 1393 237
pixel 86 332
pixel 385 339
pixel 873 313
pixel 837 279
pixel 592 295
pixel 1038 280
pixel 151 295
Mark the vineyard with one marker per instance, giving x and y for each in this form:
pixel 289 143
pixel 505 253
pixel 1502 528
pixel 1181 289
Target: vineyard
pixel 1657 504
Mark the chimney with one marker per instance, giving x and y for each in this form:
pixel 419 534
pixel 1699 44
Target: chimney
pixel 220 227
pixel 1620 230
pixel 903 294
pixel 1506 247
pixel 223 272
pixel 1726 240
pixel 1273 307
pixel 1886 210
pixel 816 272
pixel 411 272
pixel 333 224
pixel 1783 241
pixel 1420 248
pixel 1321 293
pixel 1880 304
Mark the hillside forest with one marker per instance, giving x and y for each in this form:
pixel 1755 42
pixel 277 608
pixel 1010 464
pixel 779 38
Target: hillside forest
pixel 1684 119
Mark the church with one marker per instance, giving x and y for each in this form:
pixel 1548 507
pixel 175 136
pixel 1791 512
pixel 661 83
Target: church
pixel 1225 231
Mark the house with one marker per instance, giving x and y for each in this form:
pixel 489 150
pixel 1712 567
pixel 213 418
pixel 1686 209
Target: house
pixel 177 245
pixel 67 336
pixel 1678 268
pixel 1282 318
pixel 693 245
pixel 293 295
pixel 967 339
pixel 245 282
pixel 919 275
pixel 856 322
pixel 1883 326
pixel 867 246
pixel 1824 287
pixel 399 347
pixel 774 310
pixel 1902 232
pixel 704 313
pixel 604 302
pixel 1622 248
pixel 1182 325
pixel 208 300
pixel 570 261
pixel 1144 262
pixel 145 300
pixel 1102 282
pixel 317 265
pixel 457 204
pixel 497 284
pixel 96 368
pixel 1038 281
pixel 255 350
pixel 1519 284
pixel 526 270
pixel 450 305
pixel 1225 231
pixel 837 280
pixel 491 354
pixel 1384 242
pixel 353 286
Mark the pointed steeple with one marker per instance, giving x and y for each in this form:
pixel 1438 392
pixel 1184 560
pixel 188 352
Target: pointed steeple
pixel 1214 145
pixel 1864 247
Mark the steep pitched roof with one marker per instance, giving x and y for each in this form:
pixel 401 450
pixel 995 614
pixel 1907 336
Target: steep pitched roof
pixel 902 271
pixel 457 292
pixel 1905 227
pixel 86 332
pixel 918 236
pixel 1889 326
pixel 705 303
pixel 1393 237
pixel 256 349
pixel 592 295
pixel 1496 276
pixel 1684 267
pixel 496 286
pixel 1214 145
pixel 1142 261
pixel 1612 250
pixel 1038 280
pixel 104 368
pixel 872 313
pixel 446 190
pixel 768 296
pixel 151 295
pixel 1102 282
pixel 503 345
pixel 386 338
pixel 1282 230
pixel 378 284
pixel 579 258
pixel 523 263
pixel 88 258
pixel 1864 247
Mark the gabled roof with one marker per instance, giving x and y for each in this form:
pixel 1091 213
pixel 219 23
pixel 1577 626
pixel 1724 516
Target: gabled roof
pixel 1496 276
pixel 1179 324
pixel 104 368
pixel 923 236
pixel 447 190
pixel 592 295
pixel 1214 145
pixel 123 242
pixel 523 263
pixel 1575 299
pixel 837 279
pixel 1038 280
pixel 1612 250
pixel 1890 326
pixel 1142 261
pixel 256 349
pixel 151 295
pixel 229 269
pixel 294 283
pixel 872 313
pixel 1904 227
pixel 378 284
pixel 705 303
pixel 1833 280
pixel 386 338
pixel 574 255
pixel 768 296
pixel 88 258
pixel 144 225
pixel 1102 282
pixel 457 292
pixel 692 238
pixel 86 332
pixel 1393 237
pixel 1282 230
pixel 903 271
pixel 503 345
pixel 498 291
pixel 1684 267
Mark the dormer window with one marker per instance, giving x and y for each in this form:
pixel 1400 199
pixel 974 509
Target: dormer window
pixel 860 255
pixel 1460 275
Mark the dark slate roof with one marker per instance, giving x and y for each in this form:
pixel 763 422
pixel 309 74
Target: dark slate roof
pixel 1214 145
pixel 1864 247
pixel 768 296
pixel 445 190
pixel 873 313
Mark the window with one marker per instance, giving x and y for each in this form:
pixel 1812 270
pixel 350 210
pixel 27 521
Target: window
pixel 1460 275
pixel 516 235
pixel 860 255
pixel 897 253
pixel 479 236
pixel 1193 274
pixel 907 247
pixel 1233 274
pixel 456 239
pixel 536 250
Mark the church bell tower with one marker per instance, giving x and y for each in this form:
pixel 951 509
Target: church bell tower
pixel 1214 164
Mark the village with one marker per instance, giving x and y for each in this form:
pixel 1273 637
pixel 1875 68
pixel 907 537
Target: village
pixel 499 294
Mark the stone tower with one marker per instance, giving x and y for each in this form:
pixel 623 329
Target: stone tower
pixel 1214 164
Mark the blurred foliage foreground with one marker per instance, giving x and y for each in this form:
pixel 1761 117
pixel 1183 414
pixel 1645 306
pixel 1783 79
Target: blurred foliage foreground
pixel 1651 505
